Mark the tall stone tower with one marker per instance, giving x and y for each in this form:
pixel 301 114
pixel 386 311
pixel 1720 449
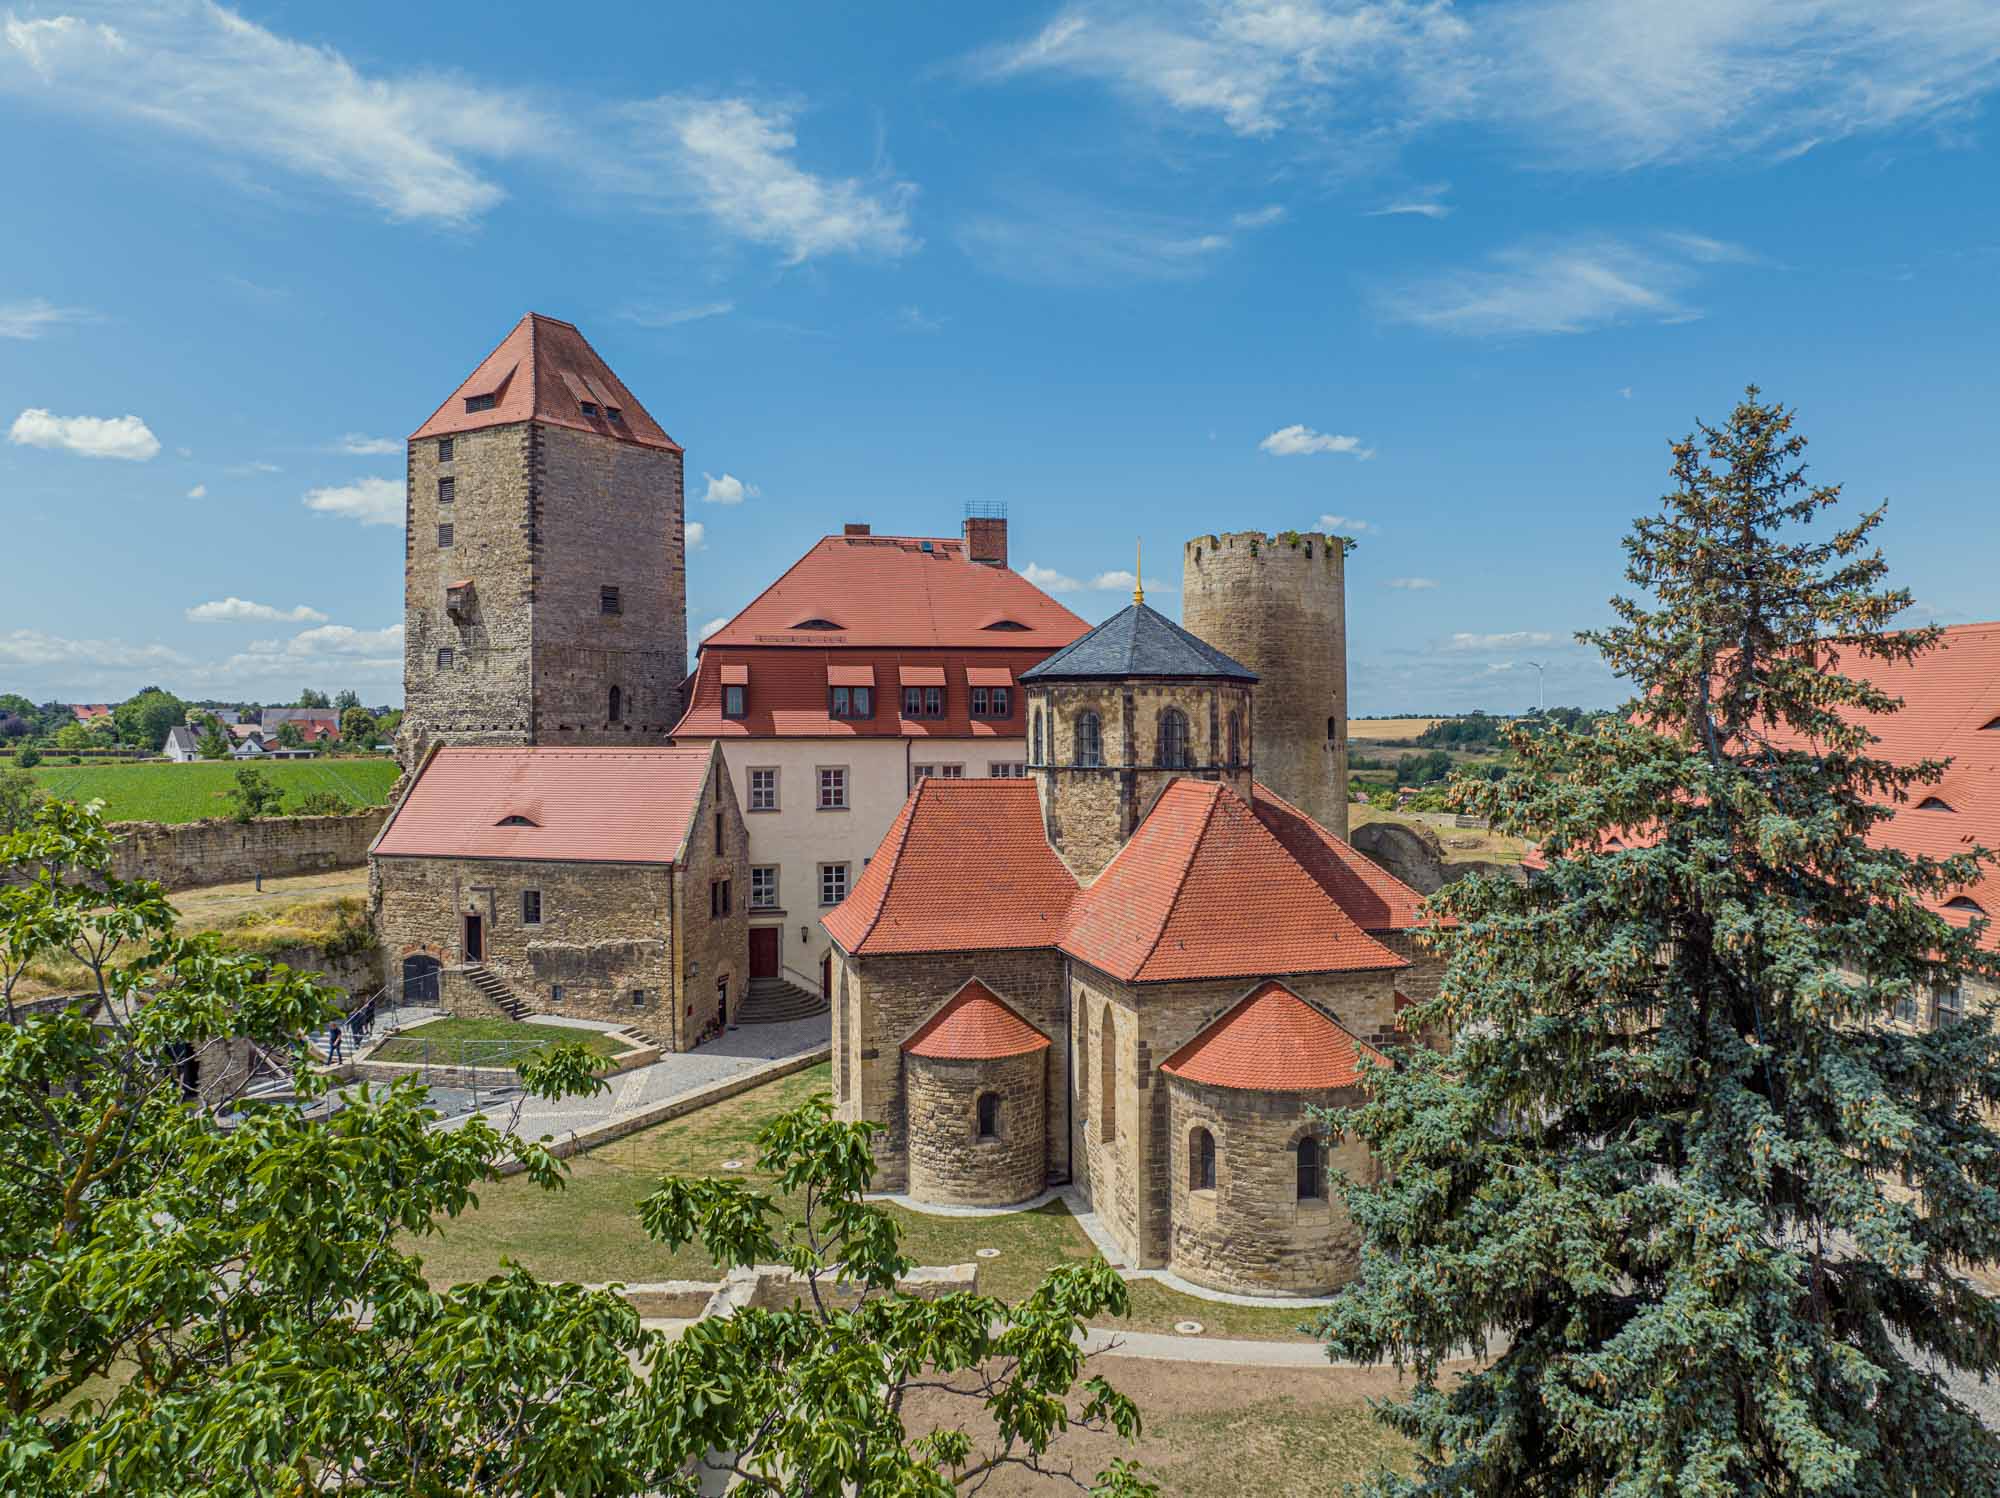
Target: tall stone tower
pixel 545 583
pixel 1279 605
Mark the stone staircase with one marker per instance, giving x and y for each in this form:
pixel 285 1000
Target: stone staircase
pixel 494 991
pixel 772 1001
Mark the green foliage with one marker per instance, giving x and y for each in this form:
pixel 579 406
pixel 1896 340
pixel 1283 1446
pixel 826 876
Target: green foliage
pixel 20 800
pixel 1476 730
pixel 27 757
pixel 290 736
pixel 343 702
pixel 1718 1206
pixel 214 741
pixel 320 804
pixel 254 795
pixel 15 705
pixel 357 726
pixel 147 718
pixel 310 698
pixel 73 736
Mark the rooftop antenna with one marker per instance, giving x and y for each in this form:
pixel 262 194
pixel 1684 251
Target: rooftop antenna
pixel 1138 560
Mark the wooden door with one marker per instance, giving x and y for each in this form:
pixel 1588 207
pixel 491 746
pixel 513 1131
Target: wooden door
pixel 826 977
pixel 764 951
pixel 475 945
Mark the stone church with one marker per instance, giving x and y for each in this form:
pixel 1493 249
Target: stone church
pixel 1137 970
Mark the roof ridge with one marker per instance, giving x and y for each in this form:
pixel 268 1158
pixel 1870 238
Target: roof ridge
pixel 473 371
pixel 896 861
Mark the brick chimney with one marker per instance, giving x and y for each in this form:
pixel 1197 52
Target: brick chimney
pixel 986 539
pixel 854 529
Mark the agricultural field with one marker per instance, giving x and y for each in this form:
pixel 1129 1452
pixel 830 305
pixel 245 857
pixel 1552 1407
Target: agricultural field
pixel 161 792
pixel 1383 730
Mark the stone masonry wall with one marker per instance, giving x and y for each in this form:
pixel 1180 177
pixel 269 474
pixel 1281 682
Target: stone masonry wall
pixel 950 1163
pixel 1128 1173
pixel 1089 812
pixel 886 998
pixel 1252 1233
pixel 1278 605
pixel 183 855
pixel 483 696
pixel 712 949
pixel 606 513
pixel 605 931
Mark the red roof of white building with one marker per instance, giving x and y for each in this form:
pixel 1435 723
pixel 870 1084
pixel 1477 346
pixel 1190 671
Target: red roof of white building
pixel 1273 1041
pixel 545 370
pixel 975 1024
pixel 582 805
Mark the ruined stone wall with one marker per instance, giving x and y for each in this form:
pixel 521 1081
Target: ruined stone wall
pixel 713 949
pixel 606 513
pixel 1252 1233
pixel 951 1163
pixel 883 999
pixel 605 931
pixel 184 855
pixel 1277 604
pixel 1128 1173
pixel 1089 811
pixel 484 695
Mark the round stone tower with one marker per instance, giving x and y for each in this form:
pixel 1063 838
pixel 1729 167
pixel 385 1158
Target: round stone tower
pixel 1278 604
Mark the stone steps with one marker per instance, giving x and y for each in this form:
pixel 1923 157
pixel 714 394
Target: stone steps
pixel 773 1001
pixel 494 991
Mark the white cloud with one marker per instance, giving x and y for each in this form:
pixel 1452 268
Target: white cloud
pixel 711 627
pixel 1260 218
pixel 673 317
pixel 409 145
pixel 1120 581
pixel 124 437
pixel 1506 640
pixel 361 446
pixel 1568 286
pixel 199 491
pixel 234 610
pixel 735 161
pixel 258 467
pixel 728 490
pixel 34 647
pixel 1056 239
pixel 1346 525
pixel 1300 441
pixel 695 535
pixel 354 653
pixel 34 317
pixel 371 501
pixel 1050 580
pixel 1421 202
pixel 1413 584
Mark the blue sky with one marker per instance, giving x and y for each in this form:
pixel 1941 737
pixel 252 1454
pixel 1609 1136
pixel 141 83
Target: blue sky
pixel 1452 274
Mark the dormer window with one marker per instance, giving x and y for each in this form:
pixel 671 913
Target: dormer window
pixel 516 820
pixel 1014 625
pixel 614 413
pixel 1965 903
pixel 481 402
pixel 589 408
pixel 816 623
pixel 1993 727
pixel 1935 803
pixel 734 700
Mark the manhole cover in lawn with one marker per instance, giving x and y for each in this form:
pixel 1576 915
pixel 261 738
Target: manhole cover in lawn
pixel 732 1164
pixel 988 1253
pixel 1189 1328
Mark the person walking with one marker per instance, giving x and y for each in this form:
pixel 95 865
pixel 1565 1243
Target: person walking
pixel 354 1028
pixel 333 1042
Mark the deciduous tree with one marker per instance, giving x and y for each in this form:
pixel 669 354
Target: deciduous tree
pixel 1715 1203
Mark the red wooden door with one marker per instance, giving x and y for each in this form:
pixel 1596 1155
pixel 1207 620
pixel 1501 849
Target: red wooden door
pixel 764 951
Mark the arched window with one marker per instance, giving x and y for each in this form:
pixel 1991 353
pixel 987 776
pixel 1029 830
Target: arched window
pixel 1312 1171
pixel 1089 739
pixel 1236 738
pixel 989 1115
pixel 1107 1078
pixel 1331 724
pixel 1201 1161
pixel 1173 753
pixel 617 704
pixel 1035 748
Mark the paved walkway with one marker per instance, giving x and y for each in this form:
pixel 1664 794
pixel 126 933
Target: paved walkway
pixel 739 1050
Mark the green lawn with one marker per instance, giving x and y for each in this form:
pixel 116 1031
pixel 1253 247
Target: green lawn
pixel 589 1231
pixel 486 1042
pixel 186 793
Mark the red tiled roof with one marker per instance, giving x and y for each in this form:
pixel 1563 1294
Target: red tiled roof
pixel 85 711
pixel 964 867
pixel 543 371
pixel 787 695
pixel 1203 890
pixel 892 591
pixel 975 1024
pixel 589 805
pixel 1375 898
pixel 1273 1041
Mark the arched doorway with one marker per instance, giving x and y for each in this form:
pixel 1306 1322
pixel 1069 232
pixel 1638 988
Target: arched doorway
pixel 420 980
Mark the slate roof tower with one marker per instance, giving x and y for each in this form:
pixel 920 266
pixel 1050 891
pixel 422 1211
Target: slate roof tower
pixel 545 585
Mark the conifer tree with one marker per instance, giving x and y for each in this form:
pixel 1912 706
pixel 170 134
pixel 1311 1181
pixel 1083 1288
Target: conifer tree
pixel 1706 1204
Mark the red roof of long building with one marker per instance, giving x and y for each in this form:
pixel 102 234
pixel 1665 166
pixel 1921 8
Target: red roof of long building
pixel 975 1024
pixel 964 867
pixel 589 805
pixel 1203 890
pixel 1273 1041
pixel 890 592
pixel 545 370
pixel 786 693
pixel 1374 897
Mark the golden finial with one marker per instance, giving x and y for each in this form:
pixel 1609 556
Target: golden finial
pixel 1138 561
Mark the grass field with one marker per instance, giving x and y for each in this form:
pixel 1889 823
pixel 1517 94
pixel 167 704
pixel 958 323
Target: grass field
pixel 589 1231
pixel 480 1042
pixel 187 793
